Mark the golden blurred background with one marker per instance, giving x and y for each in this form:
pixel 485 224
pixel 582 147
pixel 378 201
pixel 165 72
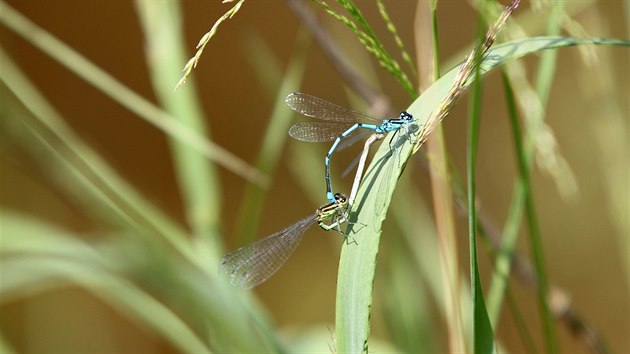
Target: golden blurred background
pixel 585 232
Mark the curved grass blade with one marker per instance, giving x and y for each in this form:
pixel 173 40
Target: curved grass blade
pixel 36 257
pixel 358 261
pixel 394 157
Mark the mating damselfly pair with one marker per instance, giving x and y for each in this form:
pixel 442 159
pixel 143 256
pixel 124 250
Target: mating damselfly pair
pixel 253 264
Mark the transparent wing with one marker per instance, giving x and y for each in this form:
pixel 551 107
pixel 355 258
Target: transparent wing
pixel 316 132
pixel 251 265
pixel 318 108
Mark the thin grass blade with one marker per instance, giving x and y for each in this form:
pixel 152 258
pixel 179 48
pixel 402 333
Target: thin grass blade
pixel 275 137
pixel 483 338
pixel 37 258
pixel 196 175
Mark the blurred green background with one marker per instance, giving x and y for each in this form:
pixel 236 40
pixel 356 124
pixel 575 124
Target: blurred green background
pixel 585 232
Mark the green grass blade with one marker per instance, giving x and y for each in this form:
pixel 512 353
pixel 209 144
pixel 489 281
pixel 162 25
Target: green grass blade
pixel 113 88
pixel 544 80
pixel 37 257
pixel 415 220
pixel 197 177
pixel 504 259
pixel 25 272
pixel 434 40
pixel 148 231
pixel 117 292
pixel 411 326
pixel 358 261
pixel 536 243
pixel 187 297
pixel 459 339
pixel 503 262
pixel 535 121
pixel 273 141
pixel 483 339
pixel 5 346
pixel 80 171
pixel 267 67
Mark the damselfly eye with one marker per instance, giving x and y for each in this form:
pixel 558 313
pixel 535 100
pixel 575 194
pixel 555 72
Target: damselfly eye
pixel 340 198
pixel 406 116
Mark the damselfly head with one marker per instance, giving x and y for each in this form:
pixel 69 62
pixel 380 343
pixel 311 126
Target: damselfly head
pixel 340 198
pixel 406 116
